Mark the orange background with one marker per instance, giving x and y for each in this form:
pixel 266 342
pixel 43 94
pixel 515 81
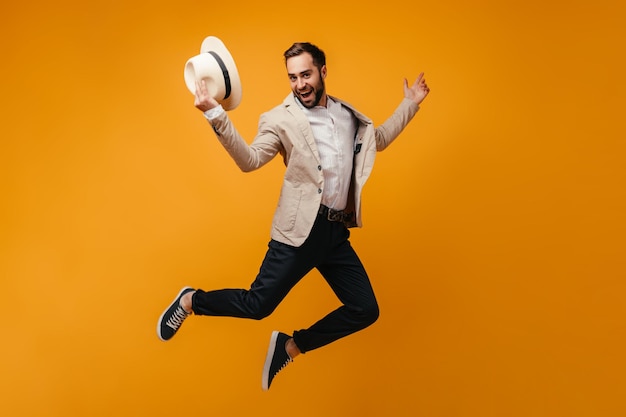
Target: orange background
pixel 494 226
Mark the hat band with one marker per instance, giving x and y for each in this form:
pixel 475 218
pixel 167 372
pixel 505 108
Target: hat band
pixel 224 71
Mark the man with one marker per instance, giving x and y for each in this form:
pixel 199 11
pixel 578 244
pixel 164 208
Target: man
pixel 328 148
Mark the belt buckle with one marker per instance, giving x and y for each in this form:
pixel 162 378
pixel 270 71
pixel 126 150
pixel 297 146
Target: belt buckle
pixel 334 215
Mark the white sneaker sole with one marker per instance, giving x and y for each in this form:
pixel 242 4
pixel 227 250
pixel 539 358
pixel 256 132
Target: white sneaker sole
pixel 268 360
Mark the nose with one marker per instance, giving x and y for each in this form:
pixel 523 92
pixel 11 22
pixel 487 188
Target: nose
pixel 300 83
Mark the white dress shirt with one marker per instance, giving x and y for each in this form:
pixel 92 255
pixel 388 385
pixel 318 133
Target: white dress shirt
pixel 334 128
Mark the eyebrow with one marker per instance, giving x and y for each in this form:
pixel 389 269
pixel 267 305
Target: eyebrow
pixel 300 73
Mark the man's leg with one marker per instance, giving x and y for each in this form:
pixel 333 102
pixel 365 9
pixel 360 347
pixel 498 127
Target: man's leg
pixel 347 277
pixel 281 269
pixel 344 272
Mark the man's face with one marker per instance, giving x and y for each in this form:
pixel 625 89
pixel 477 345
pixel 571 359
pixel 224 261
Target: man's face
pixel 307 81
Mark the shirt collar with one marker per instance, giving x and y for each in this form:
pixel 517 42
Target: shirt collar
pixel 329 103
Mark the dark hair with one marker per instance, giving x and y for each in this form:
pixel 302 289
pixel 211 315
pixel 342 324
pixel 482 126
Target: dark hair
pixel 319 58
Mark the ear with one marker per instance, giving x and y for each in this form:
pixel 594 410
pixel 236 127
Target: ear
pixel 323 71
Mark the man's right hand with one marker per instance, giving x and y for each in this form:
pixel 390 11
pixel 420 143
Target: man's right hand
pixel 203 101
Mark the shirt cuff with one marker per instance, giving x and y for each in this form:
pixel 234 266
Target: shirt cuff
pixel 214 112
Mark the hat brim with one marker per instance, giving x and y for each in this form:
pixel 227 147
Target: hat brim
pixel 211 43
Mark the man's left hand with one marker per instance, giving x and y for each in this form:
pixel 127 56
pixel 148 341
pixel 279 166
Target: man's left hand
pixel 418 91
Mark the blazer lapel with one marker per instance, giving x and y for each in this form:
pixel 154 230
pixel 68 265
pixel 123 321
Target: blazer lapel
pixel 303 124
pixel 362 141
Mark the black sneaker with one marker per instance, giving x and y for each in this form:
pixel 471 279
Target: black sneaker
pixel 172 318
pixel 277 358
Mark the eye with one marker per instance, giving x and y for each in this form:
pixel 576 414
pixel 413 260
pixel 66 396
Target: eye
pixel 292 78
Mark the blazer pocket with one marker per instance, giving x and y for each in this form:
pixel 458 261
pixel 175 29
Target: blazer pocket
pixel 288 206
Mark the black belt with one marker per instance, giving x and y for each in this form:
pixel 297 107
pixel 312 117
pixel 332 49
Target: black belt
pixel 334 215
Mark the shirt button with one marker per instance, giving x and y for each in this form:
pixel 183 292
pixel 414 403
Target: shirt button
pixel 319 191
pixel 319 167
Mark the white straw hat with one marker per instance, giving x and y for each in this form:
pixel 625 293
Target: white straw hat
pixel 216 66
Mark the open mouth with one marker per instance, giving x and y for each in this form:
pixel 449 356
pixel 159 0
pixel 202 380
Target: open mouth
pixel 306 94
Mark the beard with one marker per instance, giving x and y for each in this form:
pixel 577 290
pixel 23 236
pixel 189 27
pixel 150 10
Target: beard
pixel 319 92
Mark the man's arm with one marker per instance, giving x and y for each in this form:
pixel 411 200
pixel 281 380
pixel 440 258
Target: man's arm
pixel 414 95
pixel 265 147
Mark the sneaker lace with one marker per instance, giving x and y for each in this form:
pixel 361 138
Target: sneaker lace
pixel 284 365
pixel 177 318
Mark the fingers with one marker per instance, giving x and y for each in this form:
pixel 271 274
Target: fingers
pixel 201 96
pixel 202 99
pixel 200 88
pixel 420 83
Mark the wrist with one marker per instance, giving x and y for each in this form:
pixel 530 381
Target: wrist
pixel 214 112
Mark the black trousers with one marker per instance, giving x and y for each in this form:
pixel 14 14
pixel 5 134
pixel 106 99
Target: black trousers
pixel 327 249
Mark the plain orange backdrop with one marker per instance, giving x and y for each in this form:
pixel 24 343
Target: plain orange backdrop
pixel 494 226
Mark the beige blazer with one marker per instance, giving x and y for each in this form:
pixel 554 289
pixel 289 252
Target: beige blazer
pixel 285 129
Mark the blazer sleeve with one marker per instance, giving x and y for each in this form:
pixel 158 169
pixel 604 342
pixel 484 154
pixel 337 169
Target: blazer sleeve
pixel 265 146
pixel 393 126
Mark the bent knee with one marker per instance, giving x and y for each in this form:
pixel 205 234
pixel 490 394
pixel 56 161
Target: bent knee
pixel 260 313
pixel 368 315
pixel 372 314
